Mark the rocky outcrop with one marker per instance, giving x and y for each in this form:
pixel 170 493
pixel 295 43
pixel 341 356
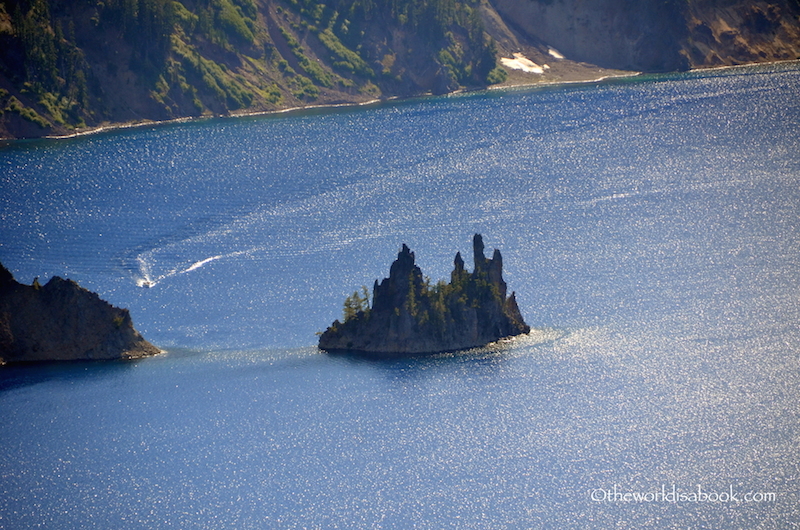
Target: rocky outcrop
pixel 409 316
pixel 62 321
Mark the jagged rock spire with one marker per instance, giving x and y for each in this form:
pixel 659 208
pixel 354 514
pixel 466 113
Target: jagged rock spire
pixel 479 259
pixel 397 286
pixel 405 258
pixel 458 269
pixel 408 316
pixel 495 266
pixel 458 262
pixel 401 268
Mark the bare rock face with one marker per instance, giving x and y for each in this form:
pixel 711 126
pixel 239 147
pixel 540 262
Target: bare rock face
pixel 741 32
pixel 625 34
pixel 62 321
pixel 660 35
pixel 408 316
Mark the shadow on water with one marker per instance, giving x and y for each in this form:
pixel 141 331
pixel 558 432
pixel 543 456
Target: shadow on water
pixel 394 358
pixel 21 375
pixel 490 355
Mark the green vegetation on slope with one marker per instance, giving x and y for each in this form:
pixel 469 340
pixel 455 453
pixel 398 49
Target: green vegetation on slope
pixel 82 63
pixel 66 65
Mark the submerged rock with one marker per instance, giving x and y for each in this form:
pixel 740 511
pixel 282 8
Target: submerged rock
pixel 62 321
pixel 409 316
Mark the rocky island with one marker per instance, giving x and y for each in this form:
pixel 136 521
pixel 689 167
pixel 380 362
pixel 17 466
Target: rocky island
pixel 409 316
pixel 62 321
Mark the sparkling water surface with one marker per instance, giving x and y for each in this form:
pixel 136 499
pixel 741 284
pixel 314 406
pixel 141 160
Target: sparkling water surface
pixel 650 228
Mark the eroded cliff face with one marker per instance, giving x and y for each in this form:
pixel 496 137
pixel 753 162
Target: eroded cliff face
pixel 61 321
pixel 738 32
pixel 659 35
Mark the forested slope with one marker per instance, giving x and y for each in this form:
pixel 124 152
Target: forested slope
pixel 82 63
pixel 68 65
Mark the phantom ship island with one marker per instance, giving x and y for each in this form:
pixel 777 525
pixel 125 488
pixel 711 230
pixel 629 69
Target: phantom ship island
pixel 409 316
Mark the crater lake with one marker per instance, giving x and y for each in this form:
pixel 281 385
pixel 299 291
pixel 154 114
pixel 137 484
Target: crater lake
pixel 650 227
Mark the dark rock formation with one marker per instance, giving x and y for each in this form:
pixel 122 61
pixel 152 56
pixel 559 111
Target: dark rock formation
pixel 62 321
pixel 408 316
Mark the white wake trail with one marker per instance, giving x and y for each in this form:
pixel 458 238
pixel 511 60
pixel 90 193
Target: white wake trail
pixel 146 279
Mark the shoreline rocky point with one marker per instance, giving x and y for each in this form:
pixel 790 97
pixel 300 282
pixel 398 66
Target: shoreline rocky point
pixel 62 321
pixel 408 316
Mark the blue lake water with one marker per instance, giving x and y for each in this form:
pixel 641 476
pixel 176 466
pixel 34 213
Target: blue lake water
pixel 650 228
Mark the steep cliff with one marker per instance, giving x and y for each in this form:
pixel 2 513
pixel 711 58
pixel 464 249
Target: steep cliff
pixel 408 316
pixel 660 35
pixel 731 32
pixel 62 321
pixel 626 34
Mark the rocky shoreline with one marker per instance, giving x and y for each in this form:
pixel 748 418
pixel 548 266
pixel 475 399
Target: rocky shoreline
pixel 583 74
pixel 586 75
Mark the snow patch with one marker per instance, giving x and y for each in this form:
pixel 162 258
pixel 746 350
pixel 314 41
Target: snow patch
pixel 520 62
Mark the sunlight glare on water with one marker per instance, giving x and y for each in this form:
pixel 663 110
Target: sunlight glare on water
pixel 649 228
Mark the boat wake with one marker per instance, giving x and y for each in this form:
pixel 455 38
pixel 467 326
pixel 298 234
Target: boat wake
pixel 325 222
pixel 145 277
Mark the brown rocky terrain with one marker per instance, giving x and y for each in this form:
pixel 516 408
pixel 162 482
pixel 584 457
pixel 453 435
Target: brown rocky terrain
pixel 732 33
pixel 61 321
